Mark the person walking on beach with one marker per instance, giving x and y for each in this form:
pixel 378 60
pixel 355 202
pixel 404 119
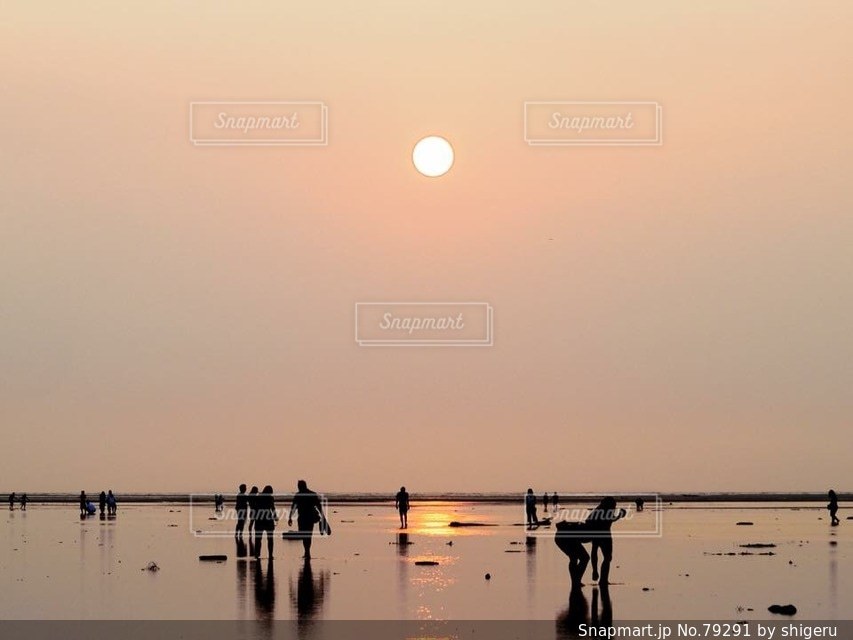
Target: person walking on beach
pixel 111 503
pixel 530 509
pixel 23 502
pixel 309 512
pixel 241 506
pixel 401 503
pixel 83 510
pixel 640 503
pixel 545 503
pixel 598 524
pixel 833 508
pixel 12 501
pixel 555 500
pixel 265 519
pixel 102 503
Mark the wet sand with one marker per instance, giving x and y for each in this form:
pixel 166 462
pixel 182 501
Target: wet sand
pixel 55 566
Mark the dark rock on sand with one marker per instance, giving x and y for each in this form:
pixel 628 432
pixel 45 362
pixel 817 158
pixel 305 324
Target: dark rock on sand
pixel 488 576
pixel 744 524
pixel 213 558
pixel 426 563
pixel 783 609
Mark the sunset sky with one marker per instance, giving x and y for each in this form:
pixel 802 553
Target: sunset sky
pixel 180 318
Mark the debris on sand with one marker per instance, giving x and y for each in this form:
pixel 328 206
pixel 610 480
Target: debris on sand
pixel 744 524
pixel 488 576
pixel 783 609
pixel 151 566
pixel 213 558
pixel 426 563
pixel 759 545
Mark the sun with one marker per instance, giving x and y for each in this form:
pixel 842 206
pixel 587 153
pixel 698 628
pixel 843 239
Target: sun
pixel 432 156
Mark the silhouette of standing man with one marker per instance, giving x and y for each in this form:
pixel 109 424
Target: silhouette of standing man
pixel 401 502
pixel 310 512
pixel 530 509
pixel 241 504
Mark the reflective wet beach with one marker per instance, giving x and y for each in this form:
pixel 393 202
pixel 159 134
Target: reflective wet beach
pixel 54 565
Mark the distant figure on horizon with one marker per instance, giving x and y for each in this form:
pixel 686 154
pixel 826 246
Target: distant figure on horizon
pixel 102 503
pixel 24 502
pixel 83 510
pixel 310 512
pixel 833 508
pixel 401 503
pixel 265 519
pixel 252 500
pixel 241 506
pixel 555 500
pixel 639 502
pixel 111 503
pixel 530 509
pixel 12 501
pixel 545 503
pixel 598 523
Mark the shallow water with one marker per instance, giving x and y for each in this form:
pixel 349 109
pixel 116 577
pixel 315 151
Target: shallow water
pixel 55 566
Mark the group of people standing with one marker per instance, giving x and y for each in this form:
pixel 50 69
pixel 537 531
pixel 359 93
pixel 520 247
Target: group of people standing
pixel 530 506
pixel 23 500
pixel 257 508
pixel 106 504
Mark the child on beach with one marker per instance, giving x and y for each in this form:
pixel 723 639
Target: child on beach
pixel 833 507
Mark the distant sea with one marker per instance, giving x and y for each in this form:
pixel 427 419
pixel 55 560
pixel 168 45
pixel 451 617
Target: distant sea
pixel 494 497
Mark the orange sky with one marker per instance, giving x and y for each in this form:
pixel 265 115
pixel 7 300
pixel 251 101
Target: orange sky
pixel 175 317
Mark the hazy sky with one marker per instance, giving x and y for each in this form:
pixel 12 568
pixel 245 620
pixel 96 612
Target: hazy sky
pixel 175 317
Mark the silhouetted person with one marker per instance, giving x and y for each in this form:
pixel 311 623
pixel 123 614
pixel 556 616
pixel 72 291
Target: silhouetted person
pixel 252 501
pixel 639 502
pixel 102 503
pixel 309 512
pixel 24 502
pixel 265 519
pixel 12 501
pixel 241 506
pixel 555 500
pixel 545 503
pixel 569 538
pixel 598 524
pixel 83 510
pixel 112 507
pixel 401 503
pixel 530 508
pixel 833 508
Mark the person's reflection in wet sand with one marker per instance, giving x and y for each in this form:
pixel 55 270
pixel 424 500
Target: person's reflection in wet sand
pixel 307 599
pixel 242 574
pixel 577 613
pixel 605 620
pixel 403 544
pixel 264 583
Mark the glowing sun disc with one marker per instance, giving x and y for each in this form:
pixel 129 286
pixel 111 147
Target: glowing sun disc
pixel 432 156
